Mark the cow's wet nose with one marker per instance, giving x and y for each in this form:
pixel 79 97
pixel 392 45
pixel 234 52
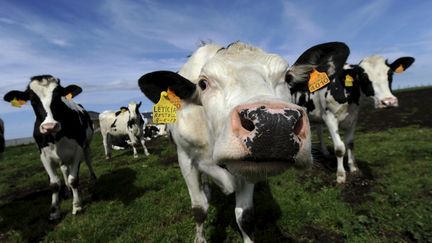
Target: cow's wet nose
pixel 49 127
pixel 390 102
pixel 270 133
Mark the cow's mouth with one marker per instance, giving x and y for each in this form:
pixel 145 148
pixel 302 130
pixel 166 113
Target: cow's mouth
pixel 253 170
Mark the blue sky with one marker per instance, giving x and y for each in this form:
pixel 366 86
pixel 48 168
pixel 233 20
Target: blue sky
pixel 106 45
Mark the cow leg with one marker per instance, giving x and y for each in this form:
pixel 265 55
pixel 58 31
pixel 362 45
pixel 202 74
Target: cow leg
pixel 144 147
pixel 323 147
pixel 244 210
pixel 88 160
pixel 339 146
pixel 133 142
pixel 65 171
pixel 73 180
pixel 220 176
pixel 198 197
pixel 349 144
pixel 106 139
pixel 55 185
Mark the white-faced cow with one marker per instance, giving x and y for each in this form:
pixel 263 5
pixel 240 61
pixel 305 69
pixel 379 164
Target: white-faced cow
pixel 236 123
pixel 124 123
pixel 62 131
pixel 2 140
pixel 337 105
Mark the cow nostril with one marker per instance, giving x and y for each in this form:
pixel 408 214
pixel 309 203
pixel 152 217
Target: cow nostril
pixel 298 127
pixel 247 124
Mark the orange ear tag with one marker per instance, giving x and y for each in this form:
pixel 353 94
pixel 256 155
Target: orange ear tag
pixel 17 103
pixel 164 111
pixel 69 96
pixel 400 69
pixel 174 98
pixel 348 81
pixel 317 80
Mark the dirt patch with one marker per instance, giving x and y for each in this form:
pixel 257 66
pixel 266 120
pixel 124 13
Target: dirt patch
pixel 414 109
pixel 313 234
pixel 355 190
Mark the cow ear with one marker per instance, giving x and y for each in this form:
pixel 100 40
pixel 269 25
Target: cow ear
pixel 16 98
pixel 152 84
pixel 327 57
pixel 139 105
pixel 71 91
pixel 401 64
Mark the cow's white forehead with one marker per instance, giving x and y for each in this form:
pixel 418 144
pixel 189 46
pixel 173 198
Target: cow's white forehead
pixel 240 54
pixel 43 87
pixel 375 66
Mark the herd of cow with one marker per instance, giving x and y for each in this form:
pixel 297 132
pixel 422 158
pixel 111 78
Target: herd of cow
pixel 244 116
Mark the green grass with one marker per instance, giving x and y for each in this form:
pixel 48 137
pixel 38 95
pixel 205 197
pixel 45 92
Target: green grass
pixel 146 200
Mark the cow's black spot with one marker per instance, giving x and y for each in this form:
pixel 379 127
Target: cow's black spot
pixel 199 214
pixel 339 153
pixel 350 145
pixel 74 183
pixel 247 222
pixel 55 187
pixel 337 91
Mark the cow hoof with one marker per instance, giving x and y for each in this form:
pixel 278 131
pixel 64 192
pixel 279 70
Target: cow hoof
pixel 76 210
pixel 93 179
pixel 108 157
pixel 54 216
pixel 199 239
pixel 340 177
pixel 353 169
pixel 135 156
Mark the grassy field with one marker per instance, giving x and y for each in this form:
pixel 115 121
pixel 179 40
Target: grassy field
pixel 146 200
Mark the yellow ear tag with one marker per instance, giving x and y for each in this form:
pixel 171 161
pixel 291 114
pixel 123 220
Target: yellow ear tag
pixel 123 110
pixel 69 96
pixel 17 103
pixel 164 111
pixel 400 69
pixel 175 100
pixel 348 81
pixel 317 80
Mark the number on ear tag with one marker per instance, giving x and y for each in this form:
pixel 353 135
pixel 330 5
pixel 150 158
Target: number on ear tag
pixel 164 111
pixel 317 80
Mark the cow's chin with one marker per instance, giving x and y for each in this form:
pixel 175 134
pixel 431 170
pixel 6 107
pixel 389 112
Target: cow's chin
pixel 254 171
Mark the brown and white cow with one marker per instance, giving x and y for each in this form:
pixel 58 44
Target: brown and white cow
pixel 62 131
pixel 338 104
pixel 236 123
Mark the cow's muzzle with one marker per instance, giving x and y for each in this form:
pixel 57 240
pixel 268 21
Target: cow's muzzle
pixel 49 127
pixel 270 132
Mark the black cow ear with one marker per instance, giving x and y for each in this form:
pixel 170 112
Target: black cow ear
pixel 16 94
pixel 328 57
pixel 401 64
pixel 152 84
pixel 139 105
pixel 17 98
pixel 72 90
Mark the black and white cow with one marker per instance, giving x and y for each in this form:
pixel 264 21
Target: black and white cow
pixel 151 131
pixel 62 131
pixel 236 123
pixel 2 140
pixel 337 105
pixel 124 123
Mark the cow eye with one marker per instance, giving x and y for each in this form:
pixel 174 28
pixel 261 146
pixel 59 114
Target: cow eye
pixel 203 84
